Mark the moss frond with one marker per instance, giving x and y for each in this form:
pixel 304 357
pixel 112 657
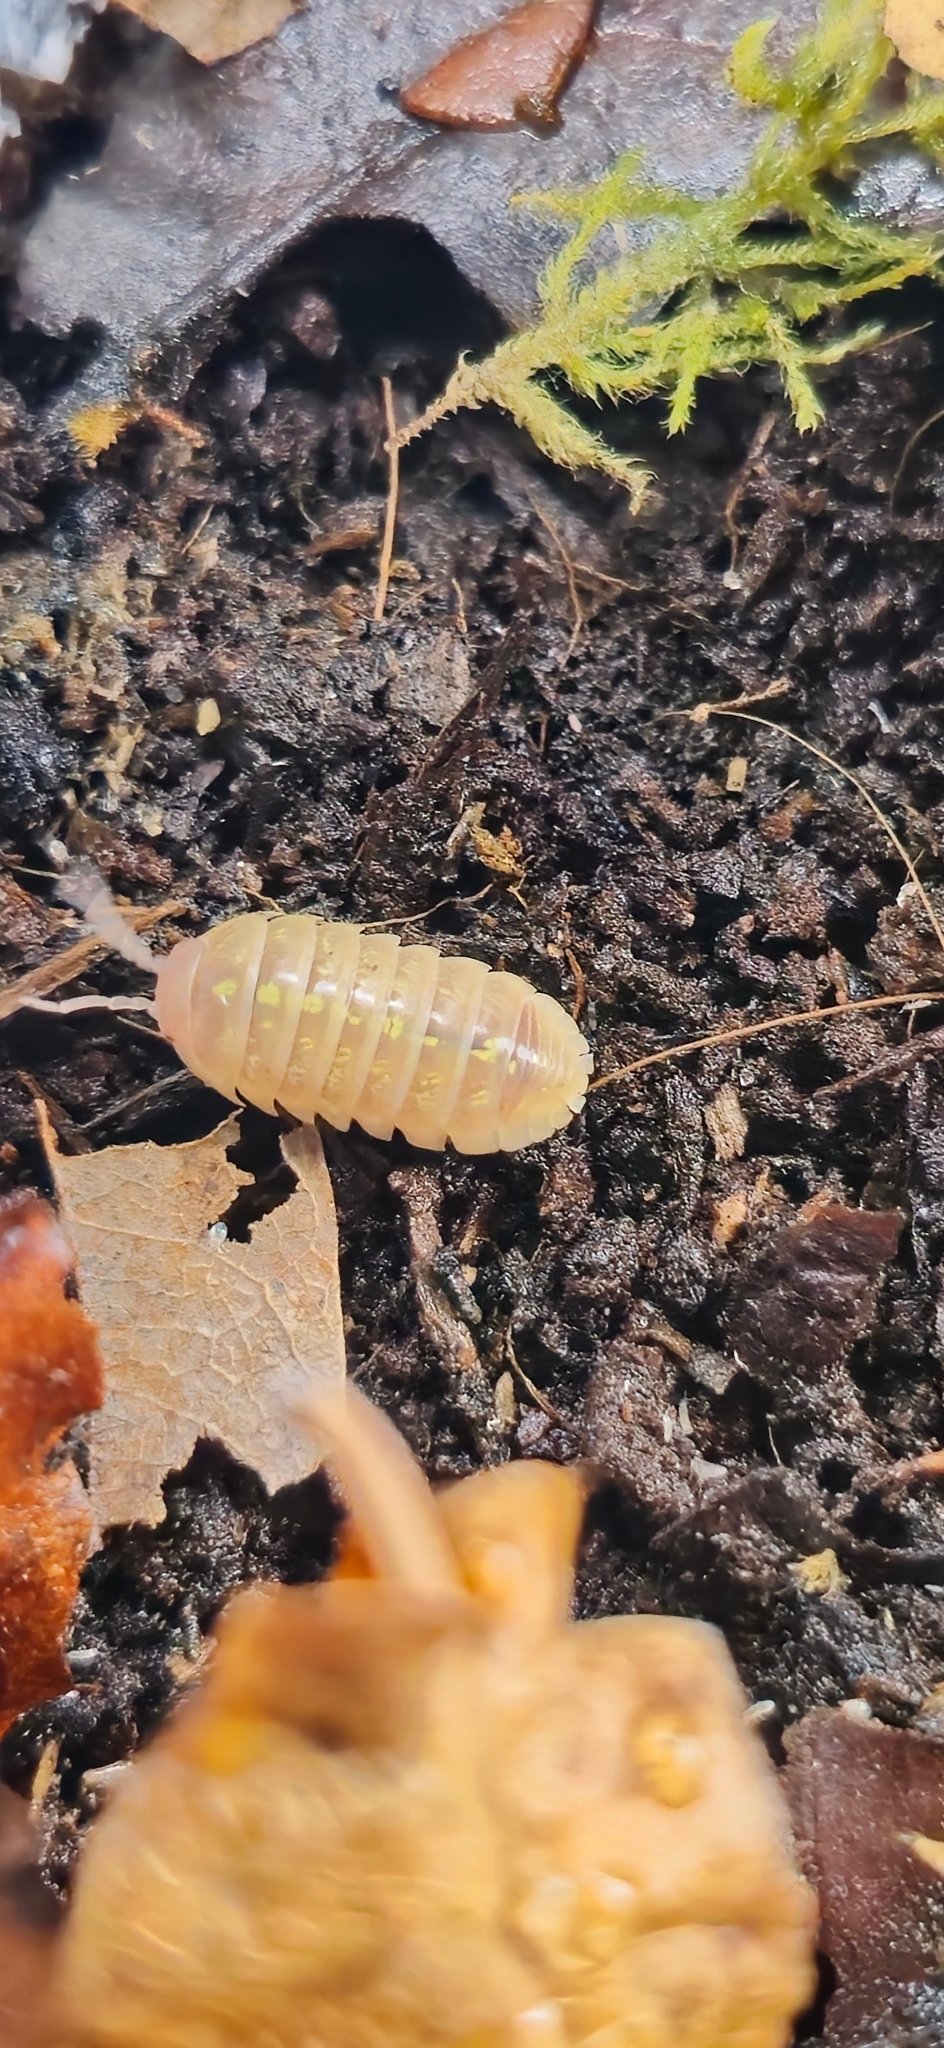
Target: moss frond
pixel 753 78
pixel 715 285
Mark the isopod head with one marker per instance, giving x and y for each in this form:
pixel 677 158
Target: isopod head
pixel 319 1019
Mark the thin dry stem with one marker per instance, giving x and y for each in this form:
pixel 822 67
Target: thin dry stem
pixel 382 924
pixel 393 498
pixel 909 448
pixel 736 1032
pixel 701 712
pixel 570 573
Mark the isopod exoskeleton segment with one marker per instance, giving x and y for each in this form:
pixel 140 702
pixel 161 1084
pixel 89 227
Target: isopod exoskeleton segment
pixel 320 1019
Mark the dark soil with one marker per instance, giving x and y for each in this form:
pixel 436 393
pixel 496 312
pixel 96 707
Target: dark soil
pixel 641 1293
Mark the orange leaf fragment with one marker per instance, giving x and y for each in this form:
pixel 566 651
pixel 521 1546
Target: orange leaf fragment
pixel 916 27
pixel 49 1374
pixel 511 73
pixel 203 1335
pixel 416 1803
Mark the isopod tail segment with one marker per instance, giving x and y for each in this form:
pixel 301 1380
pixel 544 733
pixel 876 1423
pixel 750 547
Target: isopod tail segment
pixel 314 1018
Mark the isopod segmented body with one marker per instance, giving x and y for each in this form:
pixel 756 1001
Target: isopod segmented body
pixel 319 1019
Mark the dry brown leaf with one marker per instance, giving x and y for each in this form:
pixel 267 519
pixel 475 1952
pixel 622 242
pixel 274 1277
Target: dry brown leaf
pixel 916 27
pixel 500 851
pixel 202 1336
pixel 49 1374
pixel 213 29
pixel 511 72
pixel 416 1803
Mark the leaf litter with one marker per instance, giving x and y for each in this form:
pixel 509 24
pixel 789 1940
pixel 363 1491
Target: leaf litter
pixel 865 1800
pixel 50 1373
pixel 203 1335
pixel 860 557
pixel 207 176
pixel 511 72
pixel 30 1923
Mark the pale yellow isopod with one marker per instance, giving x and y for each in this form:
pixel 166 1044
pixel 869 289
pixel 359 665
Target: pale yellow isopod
pixel 319 1019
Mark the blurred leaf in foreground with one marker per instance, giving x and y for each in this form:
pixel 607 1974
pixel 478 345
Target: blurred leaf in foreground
pixel 49 1375
pixel 865 1798
pixel 416 1803
pixel 30 1924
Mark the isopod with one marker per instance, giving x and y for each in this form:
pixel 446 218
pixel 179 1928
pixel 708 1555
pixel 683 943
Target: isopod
pixel 300 1014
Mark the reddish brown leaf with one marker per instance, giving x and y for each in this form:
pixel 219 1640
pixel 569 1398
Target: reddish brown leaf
pixel 49 1374
pixel 509 73
pixel 806 1299
pixel 856 1790
pixel 809 1295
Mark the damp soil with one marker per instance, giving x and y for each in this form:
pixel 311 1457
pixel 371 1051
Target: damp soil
pixel 197 699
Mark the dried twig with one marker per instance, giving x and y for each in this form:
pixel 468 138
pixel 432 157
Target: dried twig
pixel 909 448
pixel 890 1066
pixel 570 573
pixel 789 1018
pixel 393 496
pixel 382 924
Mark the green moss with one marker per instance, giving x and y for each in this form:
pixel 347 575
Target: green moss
pixel 746 277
